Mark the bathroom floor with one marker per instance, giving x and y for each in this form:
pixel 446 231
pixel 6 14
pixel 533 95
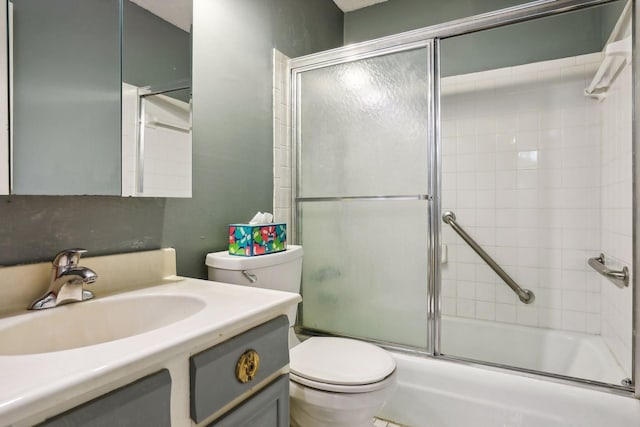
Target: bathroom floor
pixel 377 422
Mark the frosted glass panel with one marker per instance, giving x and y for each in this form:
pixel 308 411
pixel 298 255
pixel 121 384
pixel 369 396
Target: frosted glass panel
pixel 364 132
pixel 364 126
pixel 365 269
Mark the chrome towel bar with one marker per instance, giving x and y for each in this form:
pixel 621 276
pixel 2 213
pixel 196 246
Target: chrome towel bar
pixel 620 278
pixel 525 295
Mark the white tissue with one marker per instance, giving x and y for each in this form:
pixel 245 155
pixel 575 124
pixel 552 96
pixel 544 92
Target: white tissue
pixel 262 218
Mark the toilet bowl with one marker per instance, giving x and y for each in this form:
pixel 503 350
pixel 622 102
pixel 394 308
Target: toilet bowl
pixel 337 382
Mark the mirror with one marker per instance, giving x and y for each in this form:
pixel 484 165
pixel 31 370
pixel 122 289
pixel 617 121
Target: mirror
pixel 74 65
pixel 156 142
pixel 156 98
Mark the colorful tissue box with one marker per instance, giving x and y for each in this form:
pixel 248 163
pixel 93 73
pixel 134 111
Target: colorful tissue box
pixel 257 239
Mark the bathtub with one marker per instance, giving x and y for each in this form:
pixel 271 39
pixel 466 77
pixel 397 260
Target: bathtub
pixel 558 352
pixel 437 393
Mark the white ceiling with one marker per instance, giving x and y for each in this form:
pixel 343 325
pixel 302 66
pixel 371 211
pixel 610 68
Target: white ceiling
pixel 178 12
pixel 350 5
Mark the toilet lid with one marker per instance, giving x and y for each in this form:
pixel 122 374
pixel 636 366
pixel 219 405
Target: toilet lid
pixel 340 361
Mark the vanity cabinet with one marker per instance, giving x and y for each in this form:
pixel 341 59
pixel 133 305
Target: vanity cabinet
pixel 229 370
pixel 239 382
pixel 145 402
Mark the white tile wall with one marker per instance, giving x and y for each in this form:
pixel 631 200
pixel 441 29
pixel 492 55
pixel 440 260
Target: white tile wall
pixel 521 170
pixel 616 234
pixel 167 163
pixel 281 140
pixel 168 153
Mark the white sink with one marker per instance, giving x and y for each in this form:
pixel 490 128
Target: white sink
pixel 52 360
pixel 93 322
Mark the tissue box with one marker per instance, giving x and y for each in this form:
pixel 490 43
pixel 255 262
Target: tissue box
pixel 257 239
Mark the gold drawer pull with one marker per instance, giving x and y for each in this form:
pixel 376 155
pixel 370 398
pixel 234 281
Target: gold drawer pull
pixel 247 366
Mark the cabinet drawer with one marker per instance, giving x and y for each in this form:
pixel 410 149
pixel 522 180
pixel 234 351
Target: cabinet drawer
pixel 268 408
pixel 145 402
pixel 213 380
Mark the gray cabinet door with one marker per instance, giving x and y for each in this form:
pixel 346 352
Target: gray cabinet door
pixel 268 408
pixel 145 402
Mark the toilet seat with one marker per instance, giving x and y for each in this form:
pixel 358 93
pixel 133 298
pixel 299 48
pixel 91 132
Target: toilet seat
pixel 334 388
pixel 341 365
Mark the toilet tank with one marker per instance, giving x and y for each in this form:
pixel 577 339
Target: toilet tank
pixel 281 271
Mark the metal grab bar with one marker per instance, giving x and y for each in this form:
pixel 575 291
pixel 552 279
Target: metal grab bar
pixel 620 278
pixel 363 198
pixel 525 295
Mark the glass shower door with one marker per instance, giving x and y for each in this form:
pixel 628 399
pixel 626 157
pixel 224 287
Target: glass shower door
pixel 362 129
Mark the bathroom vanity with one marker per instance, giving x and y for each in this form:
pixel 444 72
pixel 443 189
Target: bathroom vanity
pixel 151 349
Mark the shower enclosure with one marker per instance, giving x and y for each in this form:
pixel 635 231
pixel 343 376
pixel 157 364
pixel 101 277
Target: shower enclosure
pixel 455 187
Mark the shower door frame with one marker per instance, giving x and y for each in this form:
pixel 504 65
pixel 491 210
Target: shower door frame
pixel 430 37
pixel 353 53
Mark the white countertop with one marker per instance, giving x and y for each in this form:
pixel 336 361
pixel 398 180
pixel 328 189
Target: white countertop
pixel 36 386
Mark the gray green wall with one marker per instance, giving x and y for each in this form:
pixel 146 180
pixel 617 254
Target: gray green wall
pixel 232 113
pixel 232 167
pixel 154 52
pixel 561 36
pixel 396 16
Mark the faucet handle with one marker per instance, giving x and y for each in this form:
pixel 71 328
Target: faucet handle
pixel 68 257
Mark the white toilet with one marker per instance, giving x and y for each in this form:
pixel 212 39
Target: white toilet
pixel 336 382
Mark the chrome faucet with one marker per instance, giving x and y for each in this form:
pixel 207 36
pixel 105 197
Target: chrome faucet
pixel 67 281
